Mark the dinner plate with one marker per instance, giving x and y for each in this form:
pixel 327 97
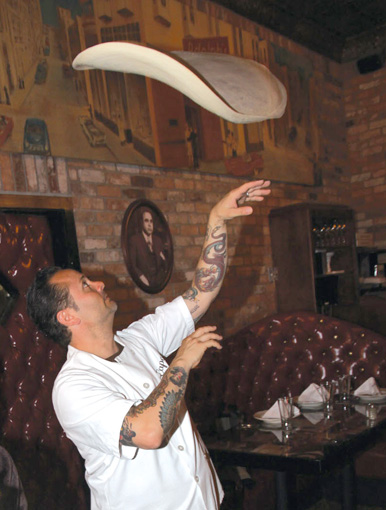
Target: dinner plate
pixel 373 399
pixel 273 423
pixel 309 406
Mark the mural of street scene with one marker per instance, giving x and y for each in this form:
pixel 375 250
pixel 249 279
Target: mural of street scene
pixel 47 108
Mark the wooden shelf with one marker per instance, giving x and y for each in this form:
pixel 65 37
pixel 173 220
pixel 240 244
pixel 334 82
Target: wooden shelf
pixel 331 273
pixel 313 275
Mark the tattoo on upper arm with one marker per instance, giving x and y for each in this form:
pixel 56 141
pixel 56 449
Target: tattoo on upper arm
pixel 127 433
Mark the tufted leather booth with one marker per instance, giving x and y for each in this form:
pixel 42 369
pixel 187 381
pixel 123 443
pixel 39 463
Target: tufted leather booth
pixel 282 353
pixel 49 465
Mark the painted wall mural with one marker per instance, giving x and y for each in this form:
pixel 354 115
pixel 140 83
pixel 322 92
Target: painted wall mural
pixel 47 108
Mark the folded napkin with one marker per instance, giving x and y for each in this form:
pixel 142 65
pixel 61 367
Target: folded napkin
pixel 314 393
pixel 369 387
pixel 361 409
pixel 314 418
pixel 274 412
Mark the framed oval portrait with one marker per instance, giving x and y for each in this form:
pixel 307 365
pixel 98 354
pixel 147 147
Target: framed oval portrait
pixel 147 246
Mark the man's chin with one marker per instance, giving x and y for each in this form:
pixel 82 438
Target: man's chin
pixel 111 304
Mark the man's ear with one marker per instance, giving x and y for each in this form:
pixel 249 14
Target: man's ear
pixel 67 318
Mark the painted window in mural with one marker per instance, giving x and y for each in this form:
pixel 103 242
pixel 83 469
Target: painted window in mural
pixel 48 108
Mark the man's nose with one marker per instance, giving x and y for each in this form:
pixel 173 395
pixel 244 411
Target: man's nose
pixel 99 286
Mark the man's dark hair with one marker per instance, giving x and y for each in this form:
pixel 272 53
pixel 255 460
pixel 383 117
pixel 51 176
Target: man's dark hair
pixel 45 300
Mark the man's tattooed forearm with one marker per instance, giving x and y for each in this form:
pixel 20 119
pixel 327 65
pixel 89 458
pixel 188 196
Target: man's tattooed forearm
pixel 151 400
pixel 190 294
pixel 198 318
pixel 168 410
pixel 178 376
pixel 207 279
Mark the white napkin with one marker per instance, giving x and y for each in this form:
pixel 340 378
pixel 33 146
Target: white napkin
pixel 312 394
pixel 369 387
pixel 274 412
pixel 314 418
pixel 361 409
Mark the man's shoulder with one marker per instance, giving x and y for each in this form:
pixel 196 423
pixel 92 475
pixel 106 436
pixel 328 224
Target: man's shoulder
pixel 77 361
pixel 80 370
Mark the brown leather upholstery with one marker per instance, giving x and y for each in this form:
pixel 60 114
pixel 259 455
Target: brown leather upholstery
pixel 282 353
pixel 49 465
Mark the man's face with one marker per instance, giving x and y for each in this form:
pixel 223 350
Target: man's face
pixel 92 302
pixel 147 223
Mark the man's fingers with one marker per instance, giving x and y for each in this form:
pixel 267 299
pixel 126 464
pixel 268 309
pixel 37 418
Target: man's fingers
pixel 209 336
pixel 213 343
pixel 252 192
pixel 202 331
pixel 205 333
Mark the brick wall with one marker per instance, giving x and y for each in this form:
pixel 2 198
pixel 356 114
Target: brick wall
pixel 101 193
pixel 365 104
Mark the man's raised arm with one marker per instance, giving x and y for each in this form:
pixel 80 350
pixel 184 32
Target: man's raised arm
pixel 212 264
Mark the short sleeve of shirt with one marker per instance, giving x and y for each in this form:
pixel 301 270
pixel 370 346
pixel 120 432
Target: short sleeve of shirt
pixel 91 413
pixel 165 329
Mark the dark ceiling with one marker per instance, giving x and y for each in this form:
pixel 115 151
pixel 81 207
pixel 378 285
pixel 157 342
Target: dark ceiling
pixel 342 30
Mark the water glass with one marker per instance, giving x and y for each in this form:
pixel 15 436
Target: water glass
pixel 328 394
pixel 344 388
pixel 286 412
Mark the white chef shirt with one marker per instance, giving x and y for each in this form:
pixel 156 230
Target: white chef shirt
pixel 91 397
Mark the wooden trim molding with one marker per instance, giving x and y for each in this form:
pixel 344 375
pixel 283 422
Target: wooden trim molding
pixel 36 202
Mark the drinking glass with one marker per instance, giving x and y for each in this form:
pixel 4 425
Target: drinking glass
pixel 328 395
pixel 344 388
pixel 286 412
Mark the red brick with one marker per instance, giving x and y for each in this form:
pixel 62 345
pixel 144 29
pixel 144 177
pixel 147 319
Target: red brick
pixel 108 191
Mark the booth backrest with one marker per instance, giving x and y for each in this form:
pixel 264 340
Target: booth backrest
pixel 281 354
pixel 50 468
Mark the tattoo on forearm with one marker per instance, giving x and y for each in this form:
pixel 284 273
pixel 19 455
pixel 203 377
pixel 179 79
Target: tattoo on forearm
pixel 168 408
pixel 190 294
pixel 151 400
pixel 178 376
pixel 207 279
pixel 198 318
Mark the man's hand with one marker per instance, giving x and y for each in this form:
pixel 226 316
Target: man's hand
pixel 194 346
pixel 232 205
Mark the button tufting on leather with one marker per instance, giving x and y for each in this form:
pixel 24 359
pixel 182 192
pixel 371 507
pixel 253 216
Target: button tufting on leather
pixel 31 363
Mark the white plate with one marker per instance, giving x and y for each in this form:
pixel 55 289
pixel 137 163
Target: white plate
pixel 273 423
pixel 309 406
pixel 373 399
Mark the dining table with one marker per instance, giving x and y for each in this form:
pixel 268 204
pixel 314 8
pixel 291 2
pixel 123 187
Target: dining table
pixel 318 443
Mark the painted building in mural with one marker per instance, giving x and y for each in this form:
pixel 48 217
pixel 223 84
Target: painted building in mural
pixel 128 118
